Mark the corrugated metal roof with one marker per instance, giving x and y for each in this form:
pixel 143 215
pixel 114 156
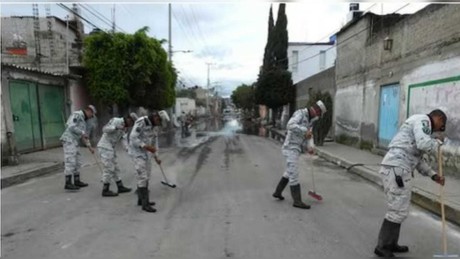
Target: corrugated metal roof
pixel 33 69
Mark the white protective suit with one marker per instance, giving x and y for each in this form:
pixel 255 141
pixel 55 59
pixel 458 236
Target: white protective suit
pixel 405 155
pixel 297 127
pixel 142 134
pixel 70 139
pixel 114 131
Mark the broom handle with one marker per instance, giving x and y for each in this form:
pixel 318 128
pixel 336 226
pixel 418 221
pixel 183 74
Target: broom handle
pixel 313 179
pixel 443 216
pixel 98 165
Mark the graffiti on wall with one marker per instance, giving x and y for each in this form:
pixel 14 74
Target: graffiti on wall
pixel 18 47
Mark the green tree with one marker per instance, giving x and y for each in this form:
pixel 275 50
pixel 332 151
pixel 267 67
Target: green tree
pixel 280 39
pixel 274 84
pixel 322 126
pixel 269 59
pixel 104 56
pixel 243 97
pixel 129 69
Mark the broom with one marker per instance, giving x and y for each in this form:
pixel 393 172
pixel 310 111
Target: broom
pixel 313 193
pixel 443 214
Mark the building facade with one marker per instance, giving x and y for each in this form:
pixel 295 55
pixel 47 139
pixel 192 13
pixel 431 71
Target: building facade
pixel 307 59
pixel 390 67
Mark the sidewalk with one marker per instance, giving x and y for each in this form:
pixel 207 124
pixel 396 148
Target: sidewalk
pixel 39 163
pixel 49 161
pixel 425 192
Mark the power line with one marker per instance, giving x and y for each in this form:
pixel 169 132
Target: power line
pixel 76 14
pixel 100 16
pixel 340 43
pixel 183 30
pixel 197 25
pixel 326 36
pixel 105 23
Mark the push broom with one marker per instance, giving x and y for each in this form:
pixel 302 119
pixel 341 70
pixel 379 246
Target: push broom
pixel 443 214
pixel 312 193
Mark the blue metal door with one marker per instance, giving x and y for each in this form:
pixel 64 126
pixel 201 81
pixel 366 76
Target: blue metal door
pixel 388 114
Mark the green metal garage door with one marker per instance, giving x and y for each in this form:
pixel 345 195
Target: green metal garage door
pixel 24 106
pixel 51 100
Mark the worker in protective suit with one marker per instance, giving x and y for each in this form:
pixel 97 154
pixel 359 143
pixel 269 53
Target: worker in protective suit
pixel 70 139
pixel 404 155
pixel 143 144
pixel 298 129
pixel 114 131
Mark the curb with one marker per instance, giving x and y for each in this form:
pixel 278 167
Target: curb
pixel 421 198
pixel 20 178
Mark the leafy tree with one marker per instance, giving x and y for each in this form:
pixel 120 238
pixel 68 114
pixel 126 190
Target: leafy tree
pixel 130 69
pixel 104 56
pixel 243 97
pixel 321 127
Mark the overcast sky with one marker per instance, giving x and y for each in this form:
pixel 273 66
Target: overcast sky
pixel 231 36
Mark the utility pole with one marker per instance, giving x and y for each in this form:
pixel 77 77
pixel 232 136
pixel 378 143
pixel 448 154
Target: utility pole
pixel 207 89
pixel 170 34
pixel 67 44
pixel 171 110
pixel 113 19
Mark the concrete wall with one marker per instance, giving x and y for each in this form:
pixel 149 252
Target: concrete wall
pixel 78 96
pixel 24 26
pixel 324 81
pixel 426 46
pixel 186 105
pixel 308 62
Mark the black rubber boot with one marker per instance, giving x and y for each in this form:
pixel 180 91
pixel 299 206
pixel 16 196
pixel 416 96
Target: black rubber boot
pixel 121 188
pixel 68 184
pixel 297 197
pixel 106 192
pixel 385 242
pixel 139 201
pixel 77 182
pixel 396 228
pixel 144 195
pixel 279 189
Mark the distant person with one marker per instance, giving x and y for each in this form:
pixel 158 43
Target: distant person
pixel 70 139
pixel 298 129
pixel 404 155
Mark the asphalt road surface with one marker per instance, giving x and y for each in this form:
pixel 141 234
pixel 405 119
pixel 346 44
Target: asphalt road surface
pixel 222 208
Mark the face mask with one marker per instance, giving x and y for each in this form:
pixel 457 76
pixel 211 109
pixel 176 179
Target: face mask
pixel 316 118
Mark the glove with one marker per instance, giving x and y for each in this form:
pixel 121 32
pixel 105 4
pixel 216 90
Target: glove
pixel 149 148
pixel 439 179
pixel 157 160
pixel 309 134
pixel 91 150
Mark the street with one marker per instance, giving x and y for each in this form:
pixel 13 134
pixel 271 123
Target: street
pixel 222 208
